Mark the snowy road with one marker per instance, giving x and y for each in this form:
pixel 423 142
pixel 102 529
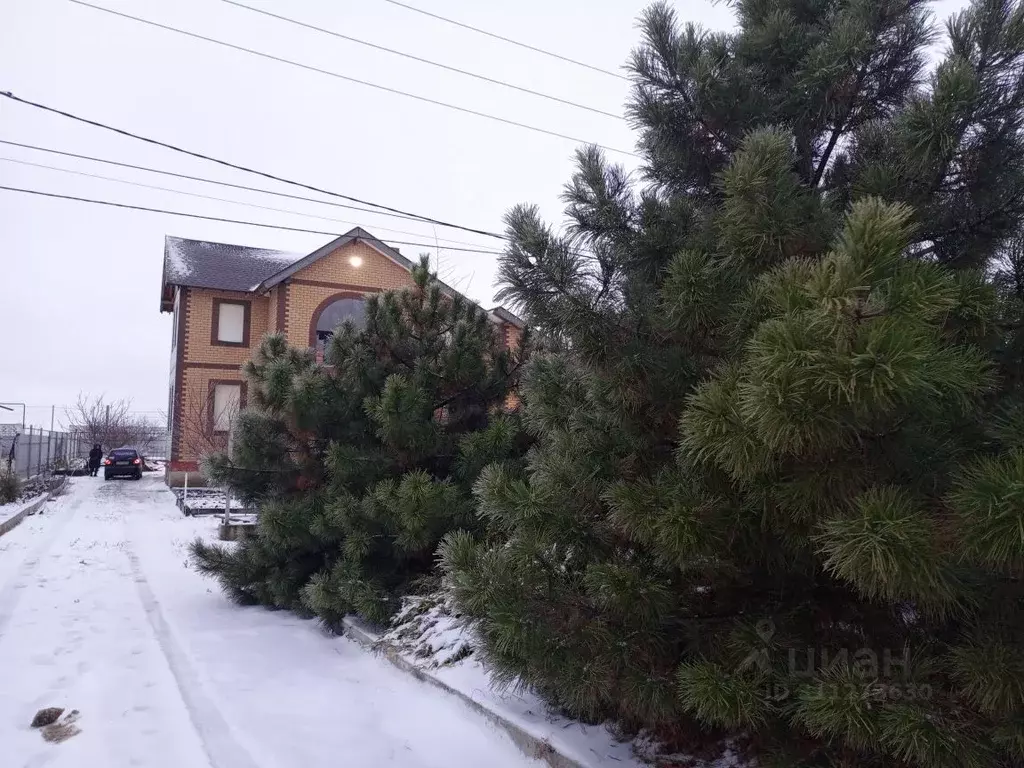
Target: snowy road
pixel 99 612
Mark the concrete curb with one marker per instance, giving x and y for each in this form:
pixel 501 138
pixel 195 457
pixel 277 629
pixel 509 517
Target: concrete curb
pixel 529 745
pixel 29 509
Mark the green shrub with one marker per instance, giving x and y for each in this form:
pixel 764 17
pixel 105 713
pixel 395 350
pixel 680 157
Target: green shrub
pixel 10 486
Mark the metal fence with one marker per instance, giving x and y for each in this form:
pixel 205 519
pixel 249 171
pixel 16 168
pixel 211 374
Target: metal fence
pixel 32 451
pixel 37 451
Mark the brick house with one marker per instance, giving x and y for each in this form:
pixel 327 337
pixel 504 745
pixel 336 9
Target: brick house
pixel 225 298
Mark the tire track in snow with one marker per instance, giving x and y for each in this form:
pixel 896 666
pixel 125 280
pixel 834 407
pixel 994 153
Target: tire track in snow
pixel 10 593
pixel 222 749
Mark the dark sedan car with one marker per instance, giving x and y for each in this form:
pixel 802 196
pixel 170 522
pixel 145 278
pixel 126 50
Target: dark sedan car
pixel 123 462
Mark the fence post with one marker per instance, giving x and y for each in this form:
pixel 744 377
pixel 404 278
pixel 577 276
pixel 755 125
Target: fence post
pixel 49 466
pixel 39 453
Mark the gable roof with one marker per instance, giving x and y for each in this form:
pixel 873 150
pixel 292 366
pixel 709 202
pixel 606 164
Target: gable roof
pixel 220 266
pixel 353 235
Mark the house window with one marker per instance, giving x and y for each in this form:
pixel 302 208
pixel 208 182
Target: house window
pixel 227 399
pixel 230 323
pixel 334 314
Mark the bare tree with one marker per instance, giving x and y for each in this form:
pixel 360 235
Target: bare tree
pixel 112 424
pixel 202 429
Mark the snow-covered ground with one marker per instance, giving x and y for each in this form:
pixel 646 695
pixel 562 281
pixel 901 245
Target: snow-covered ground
pixel 428 634
pixel 8 511
pixel 99 612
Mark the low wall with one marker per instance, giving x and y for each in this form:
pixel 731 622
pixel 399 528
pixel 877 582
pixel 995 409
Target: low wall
pixel 30 508
pixel 175 478
pixel 236 531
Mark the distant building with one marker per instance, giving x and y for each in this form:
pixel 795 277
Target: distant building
pixel 225 298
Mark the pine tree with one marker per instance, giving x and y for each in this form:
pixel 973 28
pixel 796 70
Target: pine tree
pixel 362 465
pixel 776 489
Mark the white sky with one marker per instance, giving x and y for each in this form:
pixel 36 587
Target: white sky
pixel 79 283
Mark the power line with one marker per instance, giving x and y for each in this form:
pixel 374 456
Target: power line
pixel 347 78
pixel 206 180
pixel 211 197
pixel 218 218
pixel 467 73
pixel 509 40
pixel 217 182
pixel 68 408
pixel 227 164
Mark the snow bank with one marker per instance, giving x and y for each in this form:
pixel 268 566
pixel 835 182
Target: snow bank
pixel 428 634
pixel 7 511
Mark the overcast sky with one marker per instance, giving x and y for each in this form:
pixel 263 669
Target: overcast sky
pixel 79 284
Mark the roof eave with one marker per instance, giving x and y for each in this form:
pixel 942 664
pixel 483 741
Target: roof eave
pixel 163 282
pixel 507 317
pixel 166 296
pixel 356 234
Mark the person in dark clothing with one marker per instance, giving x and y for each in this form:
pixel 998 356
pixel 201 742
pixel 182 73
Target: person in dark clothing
pixel 95 459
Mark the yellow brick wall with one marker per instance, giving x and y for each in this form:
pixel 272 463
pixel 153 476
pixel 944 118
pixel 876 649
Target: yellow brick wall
pixel 199 321
pixel 513 335
pixel 376 273
pixel 302 303
pixel 272 310
pixel 376 270
pixel 195 439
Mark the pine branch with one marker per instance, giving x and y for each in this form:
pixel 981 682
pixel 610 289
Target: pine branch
pixel 678 87
pixel 840 124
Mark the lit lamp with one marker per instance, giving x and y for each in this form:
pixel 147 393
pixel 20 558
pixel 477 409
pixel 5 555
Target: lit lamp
pixel 355 261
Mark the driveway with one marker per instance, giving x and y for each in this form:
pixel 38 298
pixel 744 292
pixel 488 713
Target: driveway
pixel 100 612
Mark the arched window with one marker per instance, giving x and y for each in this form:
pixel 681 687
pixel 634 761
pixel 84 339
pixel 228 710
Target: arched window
pixel 334 313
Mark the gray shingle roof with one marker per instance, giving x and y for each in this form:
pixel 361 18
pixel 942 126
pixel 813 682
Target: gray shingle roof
pixel 201 264
pixel 508 317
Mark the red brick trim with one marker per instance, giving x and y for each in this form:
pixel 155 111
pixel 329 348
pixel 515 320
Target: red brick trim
pixel 214 327
pixel 179 374
pixel 210 387
pixel 282 308
pixel 327 302
pixel 183 466
pixel 214 366
pixel 339 286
